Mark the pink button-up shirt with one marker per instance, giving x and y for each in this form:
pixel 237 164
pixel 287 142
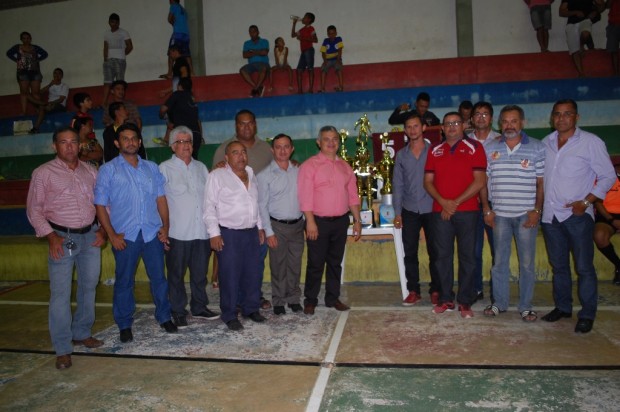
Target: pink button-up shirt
pixel 326 187
pixel 61 195
pixel 229 203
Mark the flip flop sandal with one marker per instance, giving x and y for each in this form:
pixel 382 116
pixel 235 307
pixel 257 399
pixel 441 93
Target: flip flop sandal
pixel 529 316
pixel 492 310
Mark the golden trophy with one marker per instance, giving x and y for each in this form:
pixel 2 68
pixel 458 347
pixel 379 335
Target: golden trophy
pixel 364 171
pixel 344 134
pixel 386 171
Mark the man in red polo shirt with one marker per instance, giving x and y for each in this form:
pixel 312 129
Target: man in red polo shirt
pixel 454 174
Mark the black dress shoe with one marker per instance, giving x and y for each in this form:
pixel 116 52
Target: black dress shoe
pixel 584 325
pixel 126 335
pixel 479 296
pixel 279 310
pixel 234 324
pixel 256 317
pixel 169 327
pixel 295 307
pixel 179 320
pixel 555 315
pixel 207 314
pixel 617 277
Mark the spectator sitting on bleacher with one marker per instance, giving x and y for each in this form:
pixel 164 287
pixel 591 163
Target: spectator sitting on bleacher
pixel 84 103
pixel 120 115
pixel 422 103
pixel 56 101
pixel 90 149
pixel 117 94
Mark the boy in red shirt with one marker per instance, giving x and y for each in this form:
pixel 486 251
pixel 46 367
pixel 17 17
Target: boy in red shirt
pixel 306 36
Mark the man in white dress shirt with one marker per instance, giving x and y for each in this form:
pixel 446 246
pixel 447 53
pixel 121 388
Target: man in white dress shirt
pixel 189 243
pixel 236 232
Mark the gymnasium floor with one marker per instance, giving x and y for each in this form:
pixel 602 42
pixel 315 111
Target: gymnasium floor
pixel 379 356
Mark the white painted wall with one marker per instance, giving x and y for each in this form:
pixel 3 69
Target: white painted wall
pixel 381 31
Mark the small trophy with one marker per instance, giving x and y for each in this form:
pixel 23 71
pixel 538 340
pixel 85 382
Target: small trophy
pixel 344 134
pixel 386 171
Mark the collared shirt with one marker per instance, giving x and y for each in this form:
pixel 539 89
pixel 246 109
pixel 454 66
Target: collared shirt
pixel 453 169
pixel 580 167
pixel 61 195
pixel 229 203
pixel 277 194
pixel 408 182
pixel 259 155
pixel 131 193
pixel 493 135
pixel 326 187
pixel 185 189
pixel 512 175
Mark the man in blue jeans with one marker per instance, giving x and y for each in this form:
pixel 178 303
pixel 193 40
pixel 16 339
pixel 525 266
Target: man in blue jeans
pixel 578 172
pixel 137 225
pixel 515 167
pixel 60 208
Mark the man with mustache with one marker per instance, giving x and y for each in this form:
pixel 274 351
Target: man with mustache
pixel 515 167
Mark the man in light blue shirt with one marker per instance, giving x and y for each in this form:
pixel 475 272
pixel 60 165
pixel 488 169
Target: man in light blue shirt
pixel 578 172
pixel 283 223
pixel 132 189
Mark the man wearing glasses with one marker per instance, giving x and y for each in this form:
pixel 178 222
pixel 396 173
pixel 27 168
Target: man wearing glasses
pixel 482 120
pixel 578 172
pixel 455 172
pixel 188 239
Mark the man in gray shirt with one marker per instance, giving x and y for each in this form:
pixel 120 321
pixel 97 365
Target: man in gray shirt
pixel 412 208
pixel 283 223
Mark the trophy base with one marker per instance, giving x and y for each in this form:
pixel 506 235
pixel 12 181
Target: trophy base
pixel 367 218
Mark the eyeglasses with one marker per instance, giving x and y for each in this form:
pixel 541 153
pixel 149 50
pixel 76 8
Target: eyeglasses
pixel 455 123
pixel 483 115
pixel 563 114
pixel 182 142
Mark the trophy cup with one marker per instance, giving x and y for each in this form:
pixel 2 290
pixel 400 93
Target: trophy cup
pixel 386 171
pixel 344 134
pixel 364 171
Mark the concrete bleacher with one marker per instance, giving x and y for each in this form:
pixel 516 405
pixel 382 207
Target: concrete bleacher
pixel 533 81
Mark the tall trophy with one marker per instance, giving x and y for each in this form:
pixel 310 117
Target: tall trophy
pixel 364 171
pixel 385 169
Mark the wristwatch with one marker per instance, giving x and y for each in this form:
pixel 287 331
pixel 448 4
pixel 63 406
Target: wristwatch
pixel 586 202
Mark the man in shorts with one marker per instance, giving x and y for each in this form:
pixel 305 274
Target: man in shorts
pixel 540 13
pixel 116 46
pixel 256 50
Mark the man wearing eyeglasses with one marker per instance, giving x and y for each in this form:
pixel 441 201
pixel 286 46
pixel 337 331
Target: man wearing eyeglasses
pixel 188 239
pixel 455 172
pixel 578 172
pixel 60 208
pixel 131 206
pixel 482 119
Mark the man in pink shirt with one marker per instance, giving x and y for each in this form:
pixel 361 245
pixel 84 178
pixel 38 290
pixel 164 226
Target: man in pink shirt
pixel 60 207
pixel 236 233
pixel 327 191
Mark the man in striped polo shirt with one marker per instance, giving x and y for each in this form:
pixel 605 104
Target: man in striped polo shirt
pixel 515 168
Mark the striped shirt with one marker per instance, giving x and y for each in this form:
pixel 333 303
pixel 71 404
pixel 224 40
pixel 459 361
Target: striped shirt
pixel 61 195
pixel 512 175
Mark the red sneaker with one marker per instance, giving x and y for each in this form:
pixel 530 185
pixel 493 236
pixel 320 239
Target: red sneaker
pixel 466 311
pixel 435 298
pixel 444 307
pixel 412 299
